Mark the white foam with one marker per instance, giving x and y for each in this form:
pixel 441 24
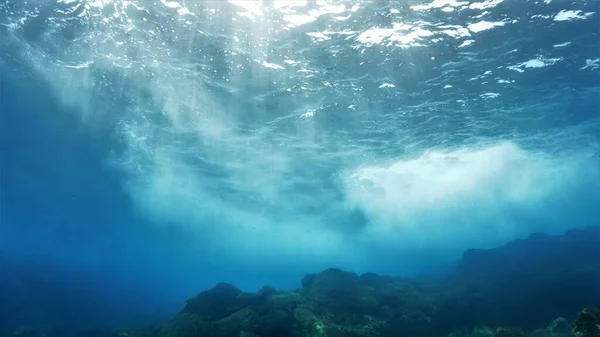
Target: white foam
pixel 471 196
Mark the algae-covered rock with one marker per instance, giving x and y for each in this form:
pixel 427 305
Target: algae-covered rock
pixel 560 327
pixel 334 304
pixel 332 291
pixel 267 291
pixel 275 323
pixel 542 333
pixel 247 334
pixel 226 311
pixel 185 324
pixel 529 282
pixel 587 323
pixel 347 299
pixel 306 323
pixel 508 332
pixel 482 331
pixel 216 303
pixel 286 301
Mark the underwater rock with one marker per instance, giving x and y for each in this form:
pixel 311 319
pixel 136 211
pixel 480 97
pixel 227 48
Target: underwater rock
pixel 307 324
pixel 543 333
pixel 216 303
pixel 332 290
pixel 540 271
pixel 483 331
pixel 336 303
pixel 99 333
pixel 224 299
pixel 286 301
pixel 332 303
pixel 310 325
pixel 539 253
pixel 247 334
pixel 338 293
pixel 355 302
pixel 267 291
pixel 587 323
pixel 508 332
pixel 559 326
pixel 226 311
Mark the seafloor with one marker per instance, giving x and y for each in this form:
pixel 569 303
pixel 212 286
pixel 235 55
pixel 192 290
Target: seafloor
pixel 543 286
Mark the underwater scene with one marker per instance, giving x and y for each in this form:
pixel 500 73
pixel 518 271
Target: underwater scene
pixel 299 168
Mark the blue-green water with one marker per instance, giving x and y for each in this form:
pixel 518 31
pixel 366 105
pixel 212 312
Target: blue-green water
pixel 150 149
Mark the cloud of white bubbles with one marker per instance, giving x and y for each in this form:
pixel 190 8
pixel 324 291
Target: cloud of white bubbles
pixel 475 197
pixel 192 164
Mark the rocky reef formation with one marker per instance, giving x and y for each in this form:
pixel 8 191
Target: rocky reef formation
pixel 528 282
pixel 335 303
pixel 510 291
pixel 587 323
pixel 225 311
pixel 332 303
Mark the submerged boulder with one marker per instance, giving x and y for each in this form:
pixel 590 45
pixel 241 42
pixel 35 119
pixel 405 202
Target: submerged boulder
pixel 482 331
pixel 587 323
pixel 341 294
pixel 497 287
pixel 559 327
pixel 544 333
pixel 508 332
pixel 216 303
pixel 224 299
pixel 368 304
pixel 226 311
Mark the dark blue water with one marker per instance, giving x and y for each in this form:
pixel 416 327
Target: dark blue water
pixel 149 149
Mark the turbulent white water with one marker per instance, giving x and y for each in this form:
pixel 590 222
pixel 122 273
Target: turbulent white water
pixel 334 131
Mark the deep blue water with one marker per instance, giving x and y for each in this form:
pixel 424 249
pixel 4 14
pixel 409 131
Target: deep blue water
pixel 150 149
